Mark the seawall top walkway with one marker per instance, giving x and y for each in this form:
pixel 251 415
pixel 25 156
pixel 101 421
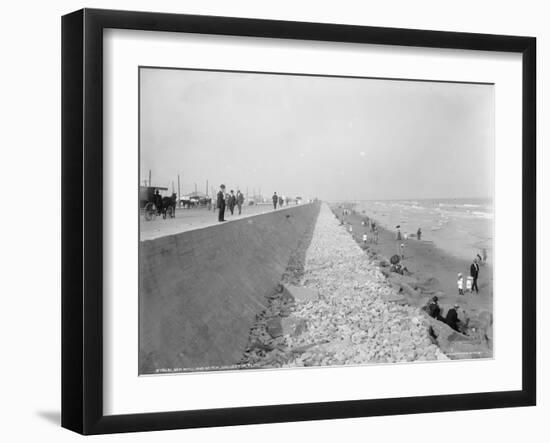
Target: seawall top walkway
pixel 198 218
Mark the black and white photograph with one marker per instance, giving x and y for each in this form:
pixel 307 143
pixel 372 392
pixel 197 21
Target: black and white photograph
pixel 289 221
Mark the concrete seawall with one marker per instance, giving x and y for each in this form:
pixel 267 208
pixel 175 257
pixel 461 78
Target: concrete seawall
pixel 199 291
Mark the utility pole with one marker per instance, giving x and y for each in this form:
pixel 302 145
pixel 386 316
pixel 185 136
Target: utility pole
pixel 179 194
pixel 207 188
pixel 149 177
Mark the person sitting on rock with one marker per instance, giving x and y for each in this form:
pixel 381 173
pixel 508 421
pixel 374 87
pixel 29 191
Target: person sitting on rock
pixel 452 318
pixel 434 310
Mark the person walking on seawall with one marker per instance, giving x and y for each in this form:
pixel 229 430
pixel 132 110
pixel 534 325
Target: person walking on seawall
pixel 281 201
pixel 240 200
pixel 275 200
pixel 227 199
pixel 232 201
pixel 220 203
pixel 474 273
pixel 419 234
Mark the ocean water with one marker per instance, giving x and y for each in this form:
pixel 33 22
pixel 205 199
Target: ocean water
pixel 461 227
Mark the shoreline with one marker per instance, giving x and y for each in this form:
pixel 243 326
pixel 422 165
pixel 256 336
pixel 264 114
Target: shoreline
pixel 433 272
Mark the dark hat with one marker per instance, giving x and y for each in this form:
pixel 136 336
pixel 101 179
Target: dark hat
pixel 435 298
pixel 222 186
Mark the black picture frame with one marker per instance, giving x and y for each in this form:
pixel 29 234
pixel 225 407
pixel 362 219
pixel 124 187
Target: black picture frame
pixel 82 219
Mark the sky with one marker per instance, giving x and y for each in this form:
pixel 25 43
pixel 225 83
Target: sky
pixel 313 136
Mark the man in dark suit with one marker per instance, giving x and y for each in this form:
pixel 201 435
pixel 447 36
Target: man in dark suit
pixel 434 310
pixel 474 273
pixel 452 318
pixel 157 200
pixel 232 201
pixel 240 200
pixel 275 199
pixel 220 203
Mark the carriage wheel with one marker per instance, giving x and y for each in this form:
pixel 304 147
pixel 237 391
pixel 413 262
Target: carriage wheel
pixel 150 211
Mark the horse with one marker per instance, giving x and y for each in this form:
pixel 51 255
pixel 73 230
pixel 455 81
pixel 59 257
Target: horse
pixel 169 206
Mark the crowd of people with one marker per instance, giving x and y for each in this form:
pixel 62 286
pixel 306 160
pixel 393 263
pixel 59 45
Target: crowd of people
pixel 465 285
pixel 231 201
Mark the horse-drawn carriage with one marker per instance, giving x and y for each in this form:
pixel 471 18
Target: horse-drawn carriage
pixel 153 203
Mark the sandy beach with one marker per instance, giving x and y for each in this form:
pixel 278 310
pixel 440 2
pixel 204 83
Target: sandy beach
pixel 426 261
pixel 433 272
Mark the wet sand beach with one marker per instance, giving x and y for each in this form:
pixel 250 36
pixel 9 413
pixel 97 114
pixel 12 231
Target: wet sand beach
pixel 425 260
pixel 433 271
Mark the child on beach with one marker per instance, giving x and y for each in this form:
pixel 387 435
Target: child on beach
pixel 460 284
pixel 402 250
pixel 469 282
pixel 365 239
pixel 350 228
pixel 375 239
